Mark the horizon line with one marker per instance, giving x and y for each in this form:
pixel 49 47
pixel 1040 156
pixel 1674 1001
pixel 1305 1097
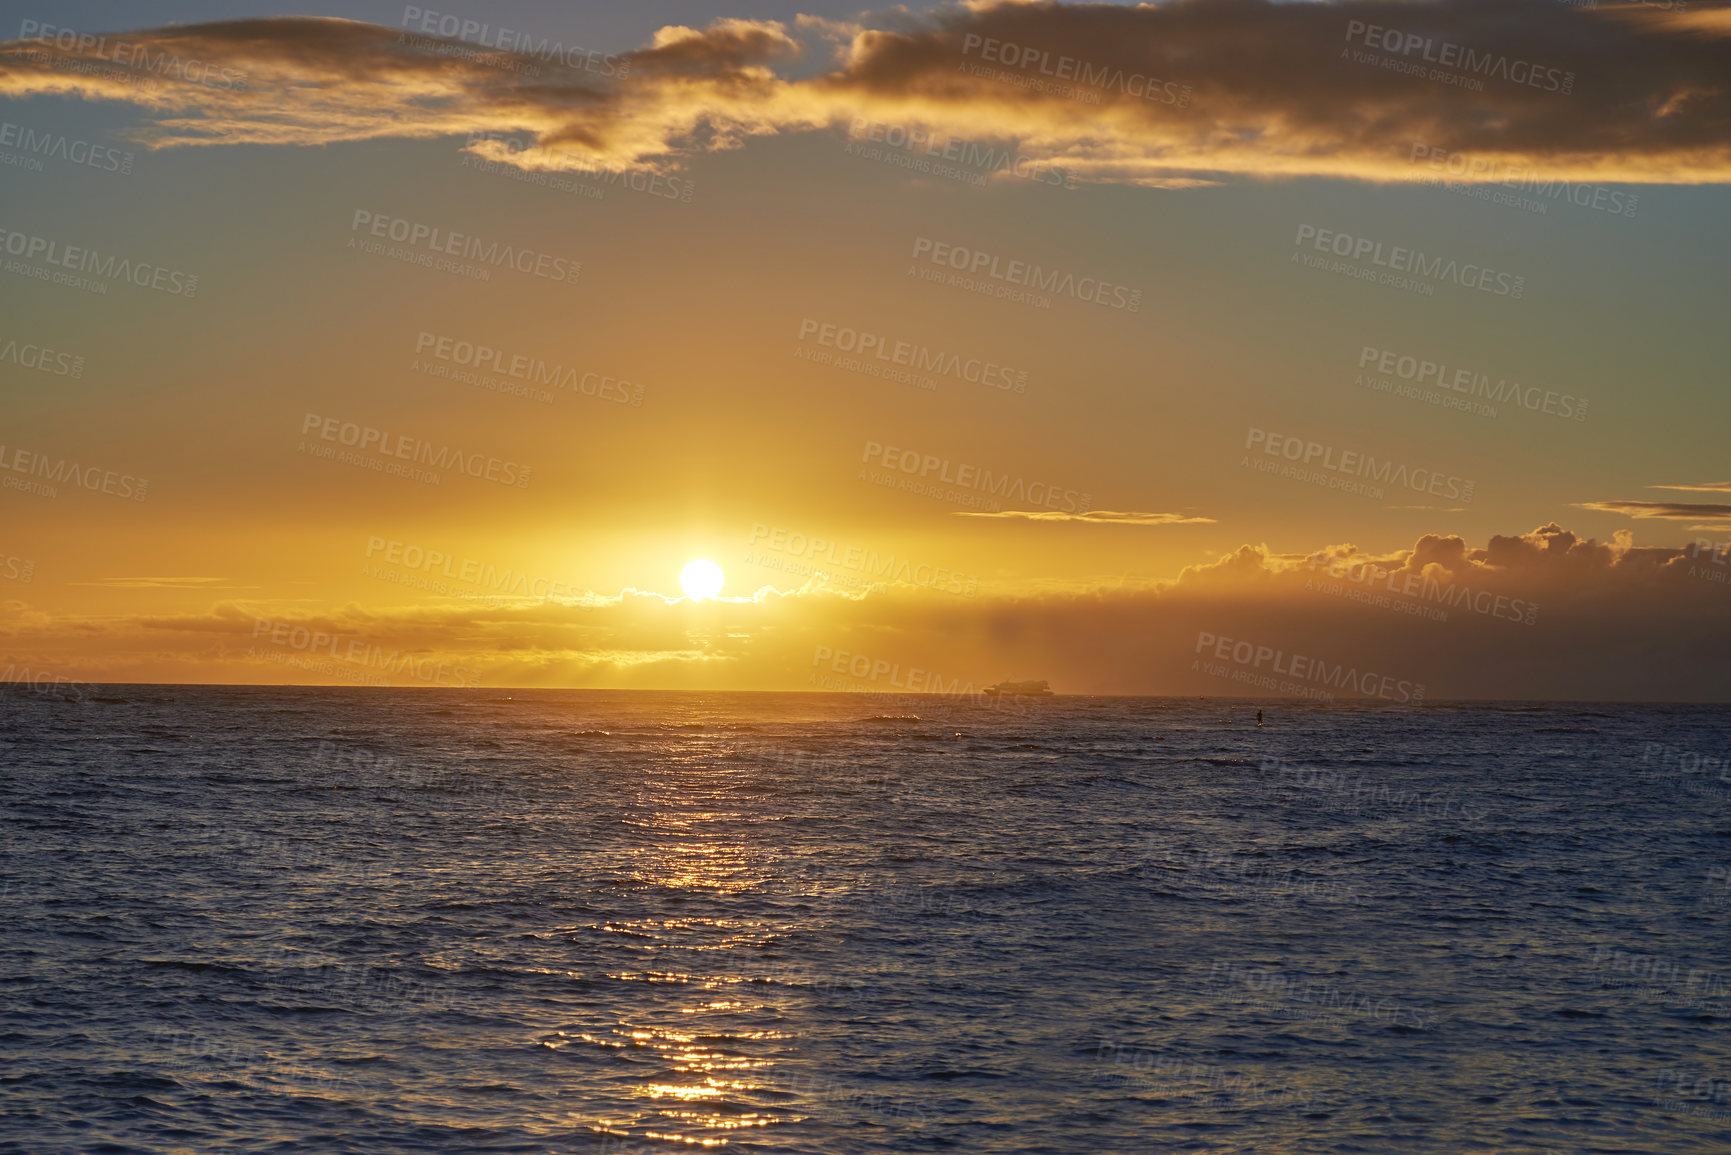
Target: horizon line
pixel 1291 701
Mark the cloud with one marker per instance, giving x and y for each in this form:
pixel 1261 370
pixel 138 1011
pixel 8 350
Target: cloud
pixel 313 81
pixel 1703 487
pixel 1170 94
pixel 1666 509
pixel 1539 615
pixel 1549 561
pixel 173 583
pixel 1096 517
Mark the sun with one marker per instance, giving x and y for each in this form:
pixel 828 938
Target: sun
pixel 701 579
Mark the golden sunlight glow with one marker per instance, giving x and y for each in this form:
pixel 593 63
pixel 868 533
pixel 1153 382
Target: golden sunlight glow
pixel 701 579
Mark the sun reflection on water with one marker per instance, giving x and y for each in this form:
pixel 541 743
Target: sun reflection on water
pixel 709 1070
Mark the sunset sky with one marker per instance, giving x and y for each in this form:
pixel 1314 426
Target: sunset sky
pixel 285 234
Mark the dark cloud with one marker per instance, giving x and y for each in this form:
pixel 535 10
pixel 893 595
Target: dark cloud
pixel 1165 94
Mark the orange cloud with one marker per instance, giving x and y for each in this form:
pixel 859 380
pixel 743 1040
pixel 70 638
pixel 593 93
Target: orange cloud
pixel 1676 510
pixel 1170 95
pixel 1094 517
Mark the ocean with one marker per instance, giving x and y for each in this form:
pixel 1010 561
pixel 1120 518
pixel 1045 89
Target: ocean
pixel 248 919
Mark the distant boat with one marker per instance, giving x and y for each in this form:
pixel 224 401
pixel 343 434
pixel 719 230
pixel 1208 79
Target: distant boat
pixel 1020 690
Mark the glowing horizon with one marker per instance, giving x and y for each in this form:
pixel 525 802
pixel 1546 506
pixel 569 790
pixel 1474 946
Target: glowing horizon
pixel 994 342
